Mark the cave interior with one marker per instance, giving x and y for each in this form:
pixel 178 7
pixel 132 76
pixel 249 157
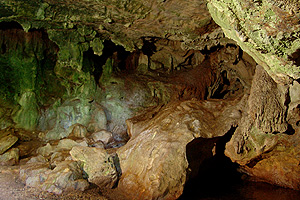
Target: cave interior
pixel 152 116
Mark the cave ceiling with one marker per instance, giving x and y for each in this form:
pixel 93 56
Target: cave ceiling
pixel 266 30
pixel 124 22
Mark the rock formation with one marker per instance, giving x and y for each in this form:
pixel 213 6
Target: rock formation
pixel 114 93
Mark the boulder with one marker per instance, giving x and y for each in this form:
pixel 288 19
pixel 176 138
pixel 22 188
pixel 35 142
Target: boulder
pixel 6 142
pixel 154 161
pixel 281 166
pixel 98 118
pixel 66 176
pixel 98 164
pixel 46 150
pixel 11 157
pixel 68 144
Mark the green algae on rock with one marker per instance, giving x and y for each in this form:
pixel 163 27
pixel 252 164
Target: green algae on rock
pixel 263 30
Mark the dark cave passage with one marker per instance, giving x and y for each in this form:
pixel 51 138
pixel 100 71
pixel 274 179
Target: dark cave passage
pixel 213 175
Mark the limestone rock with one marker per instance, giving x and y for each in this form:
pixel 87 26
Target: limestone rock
pixel 33 170
pixel 267 103
pixel 68 144
pixel 62 145
pixel 153 162
pixel 46 150
pixel 267 30
pixel 66 176
pixel 78 130
pixel 11 157
pixel 98 164
pixel 29 148
pixel 261 144
pixel 281 165
pixel 69 113
pixel 6 142
pixel 98 118
pixel 37 159
pixel 103 135
pixel 266 115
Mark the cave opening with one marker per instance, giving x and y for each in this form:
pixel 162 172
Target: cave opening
pixel 211 170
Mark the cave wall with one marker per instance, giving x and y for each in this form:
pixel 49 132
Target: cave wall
pixel 87 62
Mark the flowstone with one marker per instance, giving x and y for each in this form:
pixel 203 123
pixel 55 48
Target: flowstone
pixel 153 162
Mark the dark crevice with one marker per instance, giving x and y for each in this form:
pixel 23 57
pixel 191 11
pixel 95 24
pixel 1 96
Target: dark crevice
pixel 254 161
pixel 10 25
pixel 149 48
pixel 3 48
pixel 290 130
pixel 213 49
pixel 295 57
pixel 214 175
pixel 222 88
pixel 118 53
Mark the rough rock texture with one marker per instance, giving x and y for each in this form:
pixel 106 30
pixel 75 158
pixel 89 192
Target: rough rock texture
pixel 267 30
pixel 267 103
pixel 125 22
pixel 22 79
pixel 61 71
pixel 153 162
pixel 103 136
pixel 6 142
pixel 260 144
pixel 66 176
pixel 98 164
pixel 11 157
pixel 279 166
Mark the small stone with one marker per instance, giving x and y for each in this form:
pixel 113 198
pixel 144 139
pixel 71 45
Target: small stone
pixel 59 156
pixel 46 150
pixel 7 142
pixel 78 130
pixel 37 159
pixel 103 135
pixel 68 144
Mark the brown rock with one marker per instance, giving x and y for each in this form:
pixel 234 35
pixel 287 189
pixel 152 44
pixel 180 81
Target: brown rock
pixel 103 135
pixel 11 157
pixel 281 166
pixel 78 130
pixel 66 176
pixel 98 164
pixel 6 142
pixel 267 103
pixel 153 162
pixel 266 156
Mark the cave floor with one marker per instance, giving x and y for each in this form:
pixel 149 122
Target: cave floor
pixel 11 188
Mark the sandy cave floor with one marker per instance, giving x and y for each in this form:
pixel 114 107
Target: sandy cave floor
pixel 11 188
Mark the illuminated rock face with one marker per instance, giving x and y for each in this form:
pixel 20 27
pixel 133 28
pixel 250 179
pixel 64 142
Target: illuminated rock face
pixel 74 68
pixel 154 161
pixel 267 30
